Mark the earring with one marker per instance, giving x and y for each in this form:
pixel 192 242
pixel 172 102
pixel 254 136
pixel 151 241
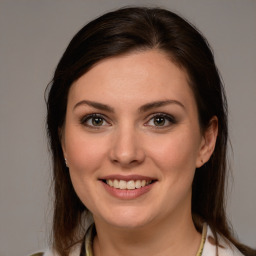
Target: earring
pixel 66 162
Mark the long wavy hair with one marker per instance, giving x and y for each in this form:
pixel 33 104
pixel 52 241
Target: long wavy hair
pixel 124 31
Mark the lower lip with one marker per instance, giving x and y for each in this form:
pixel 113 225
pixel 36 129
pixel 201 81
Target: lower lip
pixel 128 194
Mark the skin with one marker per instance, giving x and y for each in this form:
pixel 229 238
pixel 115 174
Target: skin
pixel 130 141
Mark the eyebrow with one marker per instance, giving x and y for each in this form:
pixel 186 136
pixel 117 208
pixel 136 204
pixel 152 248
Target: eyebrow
pixel 94 104
pixel 157 104
pixel 144 108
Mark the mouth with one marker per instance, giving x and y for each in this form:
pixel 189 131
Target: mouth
pixel 128 187
pixel 128 184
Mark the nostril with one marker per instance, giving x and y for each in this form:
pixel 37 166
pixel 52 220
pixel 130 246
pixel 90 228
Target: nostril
pixel 131 158
pixel 126 164
pixel 125 148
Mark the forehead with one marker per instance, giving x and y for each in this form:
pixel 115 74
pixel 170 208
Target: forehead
pixel 143 76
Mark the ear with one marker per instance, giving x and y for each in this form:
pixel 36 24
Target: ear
pixel 62 141
pixel 208 142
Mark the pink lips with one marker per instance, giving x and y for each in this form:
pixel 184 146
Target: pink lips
pixel 127 194
pixel 126 177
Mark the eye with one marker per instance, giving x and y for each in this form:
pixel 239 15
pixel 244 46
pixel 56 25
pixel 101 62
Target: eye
pixel 94 121
pixel 161 121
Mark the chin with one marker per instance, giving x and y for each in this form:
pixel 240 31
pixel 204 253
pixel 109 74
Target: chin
pixel 129 223
pixel 127 218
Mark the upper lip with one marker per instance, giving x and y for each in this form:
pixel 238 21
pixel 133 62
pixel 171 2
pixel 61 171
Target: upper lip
pixel 126 177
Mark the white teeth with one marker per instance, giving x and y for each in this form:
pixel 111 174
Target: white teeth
pixel 116 184
pixel 137 183
pixel 131 184
pixel 122 184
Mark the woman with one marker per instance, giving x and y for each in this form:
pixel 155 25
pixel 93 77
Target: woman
pixel 137 123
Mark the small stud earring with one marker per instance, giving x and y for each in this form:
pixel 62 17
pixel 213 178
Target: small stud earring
pixel 66 162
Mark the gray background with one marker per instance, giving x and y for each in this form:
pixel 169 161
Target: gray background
pixel 33 36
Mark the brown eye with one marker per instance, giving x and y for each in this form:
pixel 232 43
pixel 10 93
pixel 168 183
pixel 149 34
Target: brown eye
pixel 97 121
pixel 159 121
pixel 94 121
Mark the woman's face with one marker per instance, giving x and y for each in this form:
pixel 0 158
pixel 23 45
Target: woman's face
pixel 132 140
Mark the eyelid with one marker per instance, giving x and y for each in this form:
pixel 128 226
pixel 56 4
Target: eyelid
pixel 85 118
pixel 170 118
pixel 152 115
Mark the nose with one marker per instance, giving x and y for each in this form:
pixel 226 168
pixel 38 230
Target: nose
pixel 126 148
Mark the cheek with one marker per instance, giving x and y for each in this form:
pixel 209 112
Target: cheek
pixel 176 153
pixel 85 153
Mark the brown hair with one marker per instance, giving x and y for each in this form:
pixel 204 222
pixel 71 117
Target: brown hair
pixel 124 31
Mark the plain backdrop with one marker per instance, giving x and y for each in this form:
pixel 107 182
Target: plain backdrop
pixel 33 36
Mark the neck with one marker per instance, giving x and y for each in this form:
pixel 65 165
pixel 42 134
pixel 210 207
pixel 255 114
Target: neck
pixel 169 237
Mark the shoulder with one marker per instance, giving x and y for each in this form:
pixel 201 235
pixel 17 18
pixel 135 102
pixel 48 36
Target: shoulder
pixel 45 253
pixel 225 248
pixel 74 252
pixel 76 249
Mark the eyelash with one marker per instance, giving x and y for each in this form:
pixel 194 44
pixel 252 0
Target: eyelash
pixel 166 117
pixel 85 119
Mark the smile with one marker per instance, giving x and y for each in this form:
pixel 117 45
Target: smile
pixel 128 187
pixel 130 184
